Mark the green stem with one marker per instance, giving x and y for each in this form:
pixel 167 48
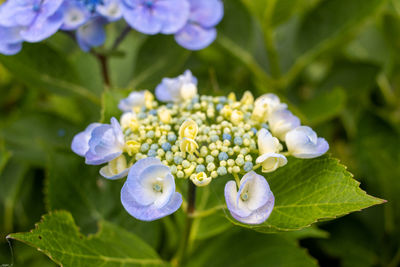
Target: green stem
pixel 269 40
pixel 237 179
pixel 121 37
pixel 103 60
pixel 183 247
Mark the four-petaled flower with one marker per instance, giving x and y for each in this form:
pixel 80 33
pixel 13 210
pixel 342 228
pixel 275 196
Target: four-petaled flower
pixel 303 142
pixel 149 191
pixel 254 201
pixel 177 89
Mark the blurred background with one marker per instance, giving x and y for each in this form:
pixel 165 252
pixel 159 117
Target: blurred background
pixel 335 62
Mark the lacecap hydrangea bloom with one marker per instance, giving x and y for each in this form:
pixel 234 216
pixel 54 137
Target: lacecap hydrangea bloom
pixel 200 138
pixel 192 22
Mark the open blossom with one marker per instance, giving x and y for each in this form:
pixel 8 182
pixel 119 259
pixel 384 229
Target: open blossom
pixel 75 15
pixel 106 143
pixel 303 142
pixel 149 192
pixel 135 101
pixel 115 169
pixel 265 105
pixel 254 201
pixel 269 147
pixel 188 129
pixel 282 121
pixel 110 9
pixel 156 16
pixel 80 143
pixel 199 31
pixel 177 89
pixel 201 179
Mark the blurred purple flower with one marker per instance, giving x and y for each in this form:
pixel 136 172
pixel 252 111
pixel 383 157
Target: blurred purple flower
pixel 91 34
pixel 199 32
pixel 35 19
pixel 10 40
pixel 156 16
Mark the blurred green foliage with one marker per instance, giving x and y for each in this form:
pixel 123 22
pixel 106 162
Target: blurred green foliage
pixel 336 64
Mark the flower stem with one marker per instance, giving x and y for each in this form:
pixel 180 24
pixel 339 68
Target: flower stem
pixel 237 179
pixel 121 37
pixel 183 247
pixel 104 68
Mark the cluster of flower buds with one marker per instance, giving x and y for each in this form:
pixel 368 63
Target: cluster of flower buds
pixel 192 22
pixel 199 138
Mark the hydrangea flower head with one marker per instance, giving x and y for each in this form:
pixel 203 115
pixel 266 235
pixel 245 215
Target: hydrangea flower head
pixel 149 192
pixel 198 138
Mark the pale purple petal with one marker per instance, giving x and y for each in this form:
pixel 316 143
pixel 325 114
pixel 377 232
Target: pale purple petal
pixel 42 28
pixel 113 177
pixel 195 37
pixel 91 34
pixel 207 13
pixel 80 143
pixel 173 13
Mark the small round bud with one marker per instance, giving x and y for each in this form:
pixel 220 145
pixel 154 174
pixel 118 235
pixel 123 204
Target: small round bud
pixel 221 171
pixel 236 169
pixel 210 166
pixel 152 153
pixel 239 161
pixel 180 174
pixel 178 159
pixel 248 166
pixel 200 168
pixel 223 156
pixel 238 140
pixel 209 159
pixel 144 147
pixel 185 164
pixel 166 146
pixel 150 134
pixel 215 153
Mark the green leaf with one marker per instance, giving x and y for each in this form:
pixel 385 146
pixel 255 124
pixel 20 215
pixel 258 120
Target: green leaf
pixel 4 156
pixel 324 106
pixel 307 191
pixel 153 63
pixel 11 180
pixel 40 66
pixel 250 249
pixel 330 24
pixel 79 188
pixel 377 147
pixel 32 134
pixel 59 238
